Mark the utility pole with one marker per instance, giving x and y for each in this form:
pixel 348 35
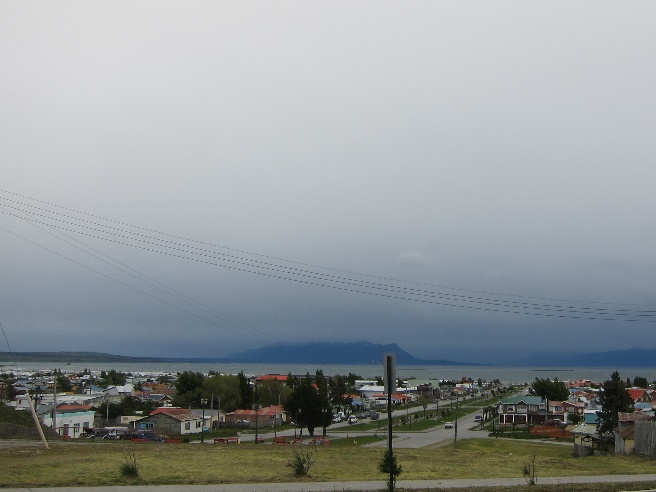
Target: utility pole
pixel 455 434
pixel 54 407
pixel 390 378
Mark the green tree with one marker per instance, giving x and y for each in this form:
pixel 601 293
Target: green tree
pixel 551 390
pixel 306 405
pixel 640 382
pixel 423 401
pixel 63 383
pixel 272 392
pixel 188 388
pixel 337 389
pixel 223 387
pixel 613 398
pixel 384 467
pixel 351 379
pixel 246 392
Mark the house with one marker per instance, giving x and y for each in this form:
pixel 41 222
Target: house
pixel 171 420
pixel 117 393
pixel 160 399
pixel 271 377
pixel 625 437
pixel 586 439
pixel 72 420
pixel 639 395
pixel 522 410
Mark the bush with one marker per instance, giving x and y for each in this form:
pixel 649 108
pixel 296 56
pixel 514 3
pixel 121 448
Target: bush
pixel 384 467
pixel 301 462
pixel 129 468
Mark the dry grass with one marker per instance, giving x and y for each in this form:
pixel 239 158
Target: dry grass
pixel 92 464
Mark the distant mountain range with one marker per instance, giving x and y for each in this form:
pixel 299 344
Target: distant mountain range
pixel 357 353
pixel 613 358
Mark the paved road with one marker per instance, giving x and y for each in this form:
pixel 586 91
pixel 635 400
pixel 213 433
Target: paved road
pixel 438 436
pixel 303 486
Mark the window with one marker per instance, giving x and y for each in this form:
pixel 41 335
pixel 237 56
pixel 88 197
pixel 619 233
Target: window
pixel 198 425
pixel 187 425
pixel 85 425
pixel 533 408
pixel 521 408
pixel 510 408
pixel 558 409
pixel 149 425
pixel 76 428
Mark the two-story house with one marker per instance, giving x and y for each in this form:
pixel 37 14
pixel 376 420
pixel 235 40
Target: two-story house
pixel 522 410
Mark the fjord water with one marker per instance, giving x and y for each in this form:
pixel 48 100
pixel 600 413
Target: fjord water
pixel 514 375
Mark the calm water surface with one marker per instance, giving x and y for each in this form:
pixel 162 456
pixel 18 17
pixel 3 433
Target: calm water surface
pixel 371 371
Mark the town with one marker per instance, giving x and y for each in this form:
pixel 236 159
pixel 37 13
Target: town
pixel 280 409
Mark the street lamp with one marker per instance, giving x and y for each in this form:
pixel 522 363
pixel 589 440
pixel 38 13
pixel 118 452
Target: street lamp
pixel 256 407
pixel 298 414
pixel 324 411
pixel 203 402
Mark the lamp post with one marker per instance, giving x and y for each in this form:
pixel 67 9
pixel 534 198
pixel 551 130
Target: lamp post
pixel 324 411
pixel 298 415
pixel 203 402
pixel 455 433
pixel 256 407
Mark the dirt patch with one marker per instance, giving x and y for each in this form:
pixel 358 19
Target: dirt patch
pixel 552 432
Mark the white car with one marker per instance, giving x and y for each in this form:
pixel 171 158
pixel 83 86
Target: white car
pixel 448 425
pixel 352 420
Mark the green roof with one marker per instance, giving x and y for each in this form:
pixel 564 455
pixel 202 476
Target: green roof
pixel 528 400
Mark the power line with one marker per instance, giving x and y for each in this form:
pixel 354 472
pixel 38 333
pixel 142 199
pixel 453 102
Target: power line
pixel 293 262
pixel 248 265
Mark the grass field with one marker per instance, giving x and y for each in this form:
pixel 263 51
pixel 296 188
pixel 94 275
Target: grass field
pixel 89 464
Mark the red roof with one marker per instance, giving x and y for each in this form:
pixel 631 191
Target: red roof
pixel 73 407
pixel 637 393
pixel 272 377
pixel 266 411
pixel 176 413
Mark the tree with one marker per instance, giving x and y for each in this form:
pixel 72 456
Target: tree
pixel 272 392
pixel 188 387
pixel 337 389
pixel 63 383
pixel 305 404
pixel 112 378
pixel 246 392
pixel 640 382
pixel 384 467
pixel 551 390
pixel 423 401
pixel 225 388
pixel 613 398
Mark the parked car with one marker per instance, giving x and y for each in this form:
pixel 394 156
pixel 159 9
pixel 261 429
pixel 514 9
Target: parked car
pixel 448 425
pixel 478 418
pixel 337 419
pixel 352 420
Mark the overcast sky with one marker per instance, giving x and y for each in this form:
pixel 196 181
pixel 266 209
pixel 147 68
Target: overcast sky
pixel 502 151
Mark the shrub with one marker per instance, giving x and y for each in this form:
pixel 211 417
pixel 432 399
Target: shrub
pixel 384 467
pixel 301 462
pixel 129 468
